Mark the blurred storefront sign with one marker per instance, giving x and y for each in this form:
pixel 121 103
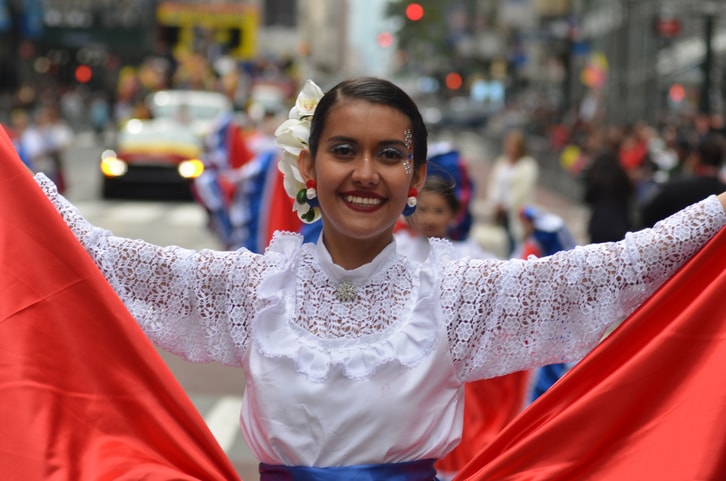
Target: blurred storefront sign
pixel 232 24
pixel 104 24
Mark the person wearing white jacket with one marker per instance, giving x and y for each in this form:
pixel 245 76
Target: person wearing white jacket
pixel 511 186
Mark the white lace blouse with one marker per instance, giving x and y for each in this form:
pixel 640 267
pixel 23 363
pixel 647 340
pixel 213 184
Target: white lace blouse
pixel 379 378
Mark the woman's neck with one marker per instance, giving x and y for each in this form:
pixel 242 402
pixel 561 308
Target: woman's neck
pixel 354 253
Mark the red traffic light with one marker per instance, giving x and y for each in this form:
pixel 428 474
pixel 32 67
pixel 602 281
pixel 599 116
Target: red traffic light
pixel 83 74
pixel 677 93
pixel 454 81
pixel 414 12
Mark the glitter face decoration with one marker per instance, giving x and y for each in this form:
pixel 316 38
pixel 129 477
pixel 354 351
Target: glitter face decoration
pixel 408 141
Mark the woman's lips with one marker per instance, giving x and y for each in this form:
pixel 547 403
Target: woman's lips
pixel 363 202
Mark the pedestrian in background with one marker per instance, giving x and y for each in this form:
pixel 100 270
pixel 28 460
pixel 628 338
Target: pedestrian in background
pixel 702 176
pixel 512 183
pixel 609 193
pixel 58 137
pixel 32 141
pixel 25 137
pixel 100 115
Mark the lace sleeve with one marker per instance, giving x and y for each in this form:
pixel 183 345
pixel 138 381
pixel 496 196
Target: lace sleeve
pixel 505 316
pixel 198 305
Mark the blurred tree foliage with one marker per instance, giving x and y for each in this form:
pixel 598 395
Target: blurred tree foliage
pixel 424 38
pixel 430 42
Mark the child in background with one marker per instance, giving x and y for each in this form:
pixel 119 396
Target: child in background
pixel 545 234
pixel 435 217
pixel 491 403
pixel 447 161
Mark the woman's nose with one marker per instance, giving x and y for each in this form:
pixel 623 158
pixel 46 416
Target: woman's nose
pixel 365 171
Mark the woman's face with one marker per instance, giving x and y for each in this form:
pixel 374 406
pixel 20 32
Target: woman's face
pixel 513 146
pixel 433 215
pixel 361 174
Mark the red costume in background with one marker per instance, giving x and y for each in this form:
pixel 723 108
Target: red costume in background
pixel 490 405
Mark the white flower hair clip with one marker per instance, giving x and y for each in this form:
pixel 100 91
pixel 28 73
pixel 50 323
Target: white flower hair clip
pixel 292 136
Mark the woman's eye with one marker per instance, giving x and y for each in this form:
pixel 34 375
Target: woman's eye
pixel 391 153
pixel 342 150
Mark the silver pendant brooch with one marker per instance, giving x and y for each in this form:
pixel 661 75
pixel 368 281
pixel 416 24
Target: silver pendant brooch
pixel 345 291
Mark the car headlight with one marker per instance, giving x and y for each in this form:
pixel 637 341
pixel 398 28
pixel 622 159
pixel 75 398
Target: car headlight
pixel 191 169
pixel 112 166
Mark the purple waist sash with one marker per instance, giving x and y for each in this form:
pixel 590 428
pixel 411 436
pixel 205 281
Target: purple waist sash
pixel 422 470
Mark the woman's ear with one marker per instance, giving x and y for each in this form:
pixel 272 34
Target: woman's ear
pixel 305 165
pixel 419 177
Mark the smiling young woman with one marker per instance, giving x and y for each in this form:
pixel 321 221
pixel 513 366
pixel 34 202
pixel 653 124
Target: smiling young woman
pixel 362 178
pixel 355 355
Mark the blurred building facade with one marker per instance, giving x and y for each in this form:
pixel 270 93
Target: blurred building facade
pixel 663 56
pixel 632 59
pixel 51 38
pixel 44 42
pixel 628 59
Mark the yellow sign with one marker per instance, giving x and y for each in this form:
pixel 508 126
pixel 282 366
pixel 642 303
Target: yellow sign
pixel 230 21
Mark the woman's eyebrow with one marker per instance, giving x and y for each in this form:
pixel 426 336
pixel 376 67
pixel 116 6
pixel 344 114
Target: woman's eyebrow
pixel 352 140
pixel 341 138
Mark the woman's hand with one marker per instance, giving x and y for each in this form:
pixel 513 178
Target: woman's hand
pixel 722 198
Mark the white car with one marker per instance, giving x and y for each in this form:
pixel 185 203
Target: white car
pixel 196 109
pixel 159 157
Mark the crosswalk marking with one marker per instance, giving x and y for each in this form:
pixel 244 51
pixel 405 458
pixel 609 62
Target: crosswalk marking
pixel 187 215
pixel 136 213
pixel 161 223
pixel 90 209
pixel 184 215
pixel 223 420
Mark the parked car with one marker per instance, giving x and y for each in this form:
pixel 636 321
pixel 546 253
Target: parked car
pixel 462 112
pixel 160 156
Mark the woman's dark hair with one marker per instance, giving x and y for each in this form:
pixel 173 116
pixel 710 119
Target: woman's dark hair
pixel 377 91
pixel 445 187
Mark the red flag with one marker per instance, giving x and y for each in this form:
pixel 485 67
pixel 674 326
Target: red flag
pixel 239 152
pixel 649 403
pixel 84 396
pixel 280 215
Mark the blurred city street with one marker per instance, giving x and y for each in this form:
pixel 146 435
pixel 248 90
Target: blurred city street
pixel 643 81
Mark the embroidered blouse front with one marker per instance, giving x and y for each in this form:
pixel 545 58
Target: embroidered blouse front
pixel 331 381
